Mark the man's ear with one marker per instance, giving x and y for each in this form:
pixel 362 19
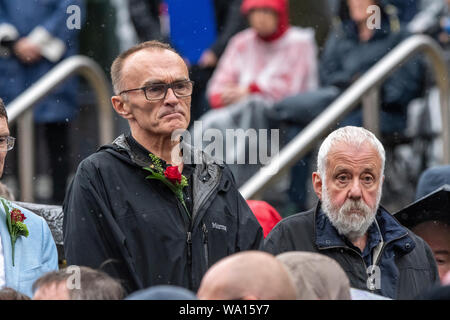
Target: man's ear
pixel 317 184
pixel 121 107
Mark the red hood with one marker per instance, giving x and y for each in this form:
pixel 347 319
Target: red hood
pixel 279 6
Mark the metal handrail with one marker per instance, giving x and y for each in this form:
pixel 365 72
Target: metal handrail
pixel 348 100
pixel 20 110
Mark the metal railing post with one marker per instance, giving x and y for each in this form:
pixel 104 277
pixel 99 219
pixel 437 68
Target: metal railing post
pixel 81 65
pixel 371 111
pixel 348 100
pixel 25 130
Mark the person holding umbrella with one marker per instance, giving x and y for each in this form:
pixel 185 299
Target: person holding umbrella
pixel 428 216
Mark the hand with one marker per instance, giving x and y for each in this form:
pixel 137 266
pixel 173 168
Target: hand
pixel 27 51
pixel 232 94
pixel 208 59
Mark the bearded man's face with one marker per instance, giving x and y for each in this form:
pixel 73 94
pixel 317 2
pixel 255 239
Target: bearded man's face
pixel 351 189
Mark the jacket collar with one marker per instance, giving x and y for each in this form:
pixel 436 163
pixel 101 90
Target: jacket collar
pixel 207 176
pixel 326 235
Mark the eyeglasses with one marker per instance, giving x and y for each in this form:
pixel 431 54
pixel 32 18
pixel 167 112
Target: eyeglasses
pixel 7 143
pixel 158 91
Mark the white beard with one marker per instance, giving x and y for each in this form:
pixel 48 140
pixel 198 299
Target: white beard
pixel 351 225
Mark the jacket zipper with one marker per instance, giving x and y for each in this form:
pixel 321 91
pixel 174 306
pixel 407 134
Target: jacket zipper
pixel 384 245
pixel 205 244
pixel 189 255
pixel 364 263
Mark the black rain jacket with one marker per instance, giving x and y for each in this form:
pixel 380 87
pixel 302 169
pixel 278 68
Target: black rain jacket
pixel 406 263
pixel 136 230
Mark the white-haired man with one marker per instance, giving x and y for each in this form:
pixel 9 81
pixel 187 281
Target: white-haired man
pixel 348 225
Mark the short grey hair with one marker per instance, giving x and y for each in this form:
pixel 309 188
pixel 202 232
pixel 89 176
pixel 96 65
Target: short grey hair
pixel 354 136
pixel 117 65
pixel 94 284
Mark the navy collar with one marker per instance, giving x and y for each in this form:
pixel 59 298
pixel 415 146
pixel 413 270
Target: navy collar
pixel 326 235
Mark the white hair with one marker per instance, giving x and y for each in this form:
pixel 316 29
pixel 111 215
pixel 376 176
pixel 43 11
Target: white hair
pixel 353 136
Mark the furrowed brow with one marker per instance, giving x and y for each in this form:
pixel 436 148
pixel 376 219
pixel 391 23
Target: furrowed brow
pixel 157 81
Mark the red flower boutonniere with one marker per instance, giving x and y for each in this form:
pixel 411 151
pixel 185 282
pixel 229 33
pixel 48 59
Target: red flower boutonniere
pixel 171 177
pixel 14 222
pixel 173 174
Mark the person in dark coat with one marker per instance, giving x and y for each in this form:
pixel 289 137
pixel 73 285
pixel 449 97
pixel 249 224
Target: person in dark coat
pixel 429 216
pixel 167 229
pixel 348 224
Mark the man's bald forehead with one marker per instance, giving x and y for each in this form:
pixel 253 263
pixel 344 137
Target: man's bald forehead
pixel 118 63
pixel 152 55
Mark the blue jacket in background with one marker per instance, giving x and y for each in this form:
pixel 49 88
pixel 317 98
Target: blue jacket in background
pixel 15 76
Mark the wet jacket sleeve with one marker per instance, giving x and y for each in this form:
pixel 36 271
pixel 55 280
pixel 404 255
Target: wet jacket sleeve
pixel 250 235
pixel 89 235
pixel 331 71
pixel 274 241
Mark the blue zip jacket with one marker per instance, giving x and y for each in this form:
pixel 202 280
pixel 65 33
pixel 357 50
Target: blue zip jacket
pixel 15 76
pixel 406 263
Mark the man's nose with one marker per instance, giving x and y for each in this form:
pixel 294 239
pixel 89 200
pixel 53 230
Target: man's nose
pixel 170 98
pixel 355 191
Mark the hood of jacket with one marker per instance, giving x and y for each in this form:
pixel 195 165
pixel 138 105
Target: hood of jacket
pixel 281 7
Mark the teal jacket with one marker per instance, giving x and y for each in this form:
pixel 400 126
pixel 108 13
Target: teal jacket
pixel 35 255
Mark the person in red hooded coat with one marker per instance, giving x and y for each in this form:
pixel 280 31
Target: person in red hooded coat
pixel 270 58
pixel 266 215
pixel 261 65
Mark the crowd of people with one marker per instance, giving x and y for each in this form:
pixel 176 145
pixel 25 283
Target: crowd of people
pixel 149 216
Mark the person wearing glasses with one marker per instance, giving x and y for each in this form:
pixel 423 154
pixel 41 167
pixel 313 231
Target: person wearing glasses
pixel 31 256
pixel 167 229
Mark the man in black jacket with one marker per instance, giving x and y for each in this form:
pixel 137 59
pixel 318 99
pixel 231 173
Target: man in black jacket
pixel 164 230
pixel 348 225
